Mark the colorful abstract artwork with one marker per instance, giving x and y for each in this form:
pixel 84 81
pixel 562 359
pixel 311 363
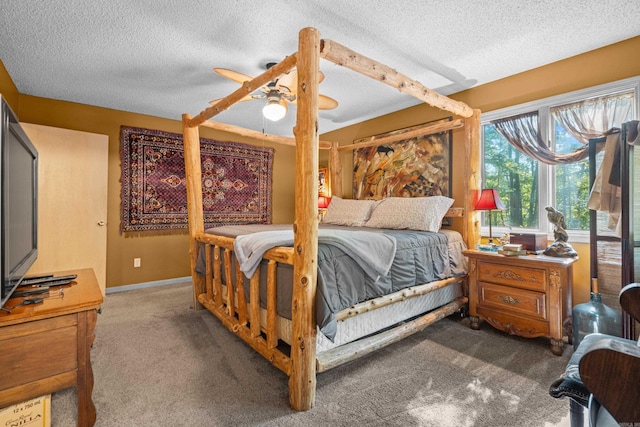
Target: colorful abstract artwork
pixel 413 167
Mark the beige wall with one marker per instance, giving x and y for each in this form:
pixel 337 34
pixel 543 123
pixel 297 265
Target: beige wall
pixel 165 256
pixel 8 88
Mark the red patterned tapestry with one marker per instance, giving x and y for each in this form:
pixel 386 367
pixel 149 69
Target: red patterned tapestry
pixel 236 181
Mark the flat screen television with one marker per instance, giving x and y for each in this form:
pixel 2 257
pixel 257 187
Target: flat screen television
pixel 18 202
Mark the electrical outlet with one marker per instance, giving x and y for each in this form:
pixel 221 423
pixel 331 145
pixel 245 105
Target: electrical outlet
pixel 136 262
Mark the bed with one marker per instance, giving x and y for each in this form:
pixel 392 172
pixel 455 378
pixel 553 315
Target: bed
pixel 286 323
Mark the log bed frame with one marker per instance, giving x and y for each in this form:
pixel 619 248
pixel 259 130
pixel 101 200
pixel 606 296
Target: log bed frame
pixel 302 363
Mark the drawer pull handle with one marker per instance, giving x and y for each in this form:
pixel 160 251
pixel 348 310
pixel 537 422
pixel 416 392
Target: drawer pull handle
pixel 509 275
pixel 509 299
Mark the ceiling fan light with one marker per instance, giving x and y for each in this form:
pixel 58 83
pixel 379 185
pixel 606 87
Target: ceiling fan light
pixel 274 110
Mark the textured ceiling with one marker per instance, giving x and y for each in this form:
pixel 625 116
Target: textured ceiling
pixel 156 57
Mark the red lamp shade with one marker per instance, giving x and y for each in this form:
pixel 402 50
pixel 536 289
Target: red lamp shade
pixel 489 201
pixel 323 202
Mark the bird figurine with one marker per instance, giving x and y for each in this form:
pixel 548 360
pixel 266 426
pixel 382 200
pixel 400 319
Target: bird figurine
pixel 560 247
pixel 557 219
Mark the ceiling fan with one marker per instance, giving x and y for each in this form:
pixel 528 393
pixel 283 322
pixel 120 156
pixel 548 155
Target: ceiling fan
pixel 277 92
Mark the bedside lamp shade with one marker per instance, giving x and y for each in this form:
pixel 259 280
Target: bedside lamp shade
pixel 489 201
pixel 323 202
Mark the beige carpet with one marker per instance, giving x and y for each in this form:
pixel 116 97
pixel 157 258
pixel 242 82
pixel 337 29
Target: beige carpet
pixel 158 363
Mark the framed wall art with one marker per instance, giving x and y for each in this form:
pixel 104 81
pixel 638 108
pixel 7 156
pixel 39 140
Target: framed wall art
pixel 414 167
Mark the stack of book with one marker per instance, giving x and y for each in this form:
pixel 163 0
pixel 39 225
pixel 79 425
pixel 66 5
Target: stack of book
pixel 512 249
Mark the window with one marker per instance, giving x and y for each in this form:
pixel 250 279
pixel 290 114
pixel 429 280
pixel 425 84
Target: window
pixel 552 169
pixel 571 181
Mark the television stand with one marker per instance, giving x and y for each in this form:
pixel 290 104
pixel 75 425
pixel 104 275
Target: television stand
pixel 46 347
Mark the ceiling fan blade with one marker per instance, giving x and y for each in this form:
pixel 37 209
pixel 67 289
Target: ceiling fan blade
pixel 290 80
pixel 326 103
pixel 233 75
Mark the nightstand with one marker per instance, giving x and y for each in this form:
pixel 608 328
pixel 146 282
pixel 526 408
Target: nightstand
pixel 528 296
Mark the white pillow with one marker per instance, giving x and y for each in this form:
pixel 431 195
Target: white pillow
pixel 348 212
pixel 413 213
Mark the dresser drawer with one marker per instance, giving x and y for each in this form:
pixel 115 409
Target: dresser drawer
pixel 41 355
pixel 513 276
pixel 512 300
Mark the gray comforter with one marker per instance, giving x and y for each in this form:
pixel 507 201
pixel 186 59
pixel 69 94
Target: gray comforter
pixel 373 252
pixel 420 257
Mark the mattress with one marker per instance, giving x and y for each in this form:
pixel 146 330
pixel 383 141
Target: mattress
pixel 364 324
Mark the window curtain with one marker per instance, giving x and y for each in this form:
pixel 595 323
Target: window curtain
pixel 587 119
pixel 522 132
pixel 595 117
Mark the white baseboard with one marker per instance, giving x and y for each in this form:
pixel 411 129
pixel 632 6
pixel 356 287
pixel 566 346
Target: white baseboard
pixel 148 284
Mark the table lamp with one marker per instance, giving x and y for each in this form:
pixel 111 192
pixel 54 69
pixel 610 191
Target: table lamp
pixel 490 201
pixel 323 204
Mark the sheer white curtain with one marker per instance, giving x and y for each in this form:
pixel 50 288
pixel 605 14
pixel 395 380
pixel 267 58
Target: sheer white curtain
pixel 595 117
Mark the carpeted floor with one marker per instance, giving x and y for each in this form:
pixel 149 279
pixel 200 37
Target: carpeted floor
pixel 157 362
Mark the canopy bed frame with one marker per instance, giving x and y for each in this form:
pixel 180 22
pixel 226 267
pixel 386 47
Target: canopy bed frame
pixel 259 326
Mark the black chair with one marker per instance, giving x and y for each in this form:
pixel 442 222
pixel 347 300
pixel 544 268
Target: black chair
pixel 603 375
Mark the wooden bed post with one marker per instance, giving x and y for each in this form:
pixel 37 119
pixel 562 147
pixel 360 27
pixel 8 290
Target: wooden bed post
pixel 302 381
pixel 191 137
pixel 473 179
pixel 335 170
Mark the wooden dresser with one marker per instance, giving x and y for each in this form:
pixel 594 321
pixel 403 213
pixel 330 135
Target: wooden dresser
pixel 528 296
pixel 46 347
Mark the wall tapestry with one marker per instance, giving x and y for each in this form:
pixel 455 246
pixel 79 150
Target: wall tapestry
pixel 236 181
pixel 413 167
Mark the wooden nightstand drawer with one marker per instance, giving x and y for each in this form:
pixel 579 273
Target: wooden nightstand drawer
pixel 512 300
pixel 514 276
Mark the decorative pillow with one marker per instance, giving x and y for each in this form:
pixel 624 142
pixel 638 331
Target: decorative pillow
pixel 348 212
pixel 413 213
